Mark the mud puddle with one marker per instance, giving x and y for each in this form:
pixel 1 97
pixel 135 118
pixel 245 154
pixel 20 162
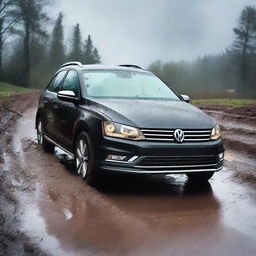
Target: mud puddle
pixel 131 215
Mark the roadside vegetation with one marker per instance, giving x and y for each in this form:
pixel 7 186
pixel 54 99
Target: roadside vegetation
pixel 30 36
pixel 6 90
pixel 230 72
pixel 234 103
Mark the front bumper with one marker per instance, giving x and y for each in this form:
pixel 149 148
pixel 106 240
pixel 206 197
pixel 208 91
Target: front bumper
pixel 156 171
pixel 159 157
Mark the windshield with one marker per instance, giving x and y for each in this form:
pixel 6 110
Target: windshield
pixel 126 84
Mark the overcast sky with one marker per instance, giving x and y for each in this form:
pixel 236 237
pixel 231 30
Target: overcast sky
pixel 142 31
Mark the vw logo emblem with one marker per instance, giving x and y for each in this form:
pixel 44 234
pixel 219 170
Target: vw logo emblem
pixel 179 135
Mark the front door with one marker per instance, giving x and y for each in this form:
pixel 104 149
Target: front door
pixel 51 103
pixel 68 111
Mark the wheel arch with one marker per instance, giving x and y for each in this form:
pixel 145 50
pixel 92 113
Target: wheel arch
pixel 38 115
pixel 81 126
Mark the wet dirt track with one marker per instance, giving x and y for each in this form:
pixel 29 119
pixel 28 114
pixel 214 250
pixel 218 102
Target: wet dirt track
pixel 129 215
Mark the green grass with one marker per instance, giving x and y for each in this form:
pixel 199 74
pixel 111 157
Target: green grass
pixel 234 103
pixel 6 90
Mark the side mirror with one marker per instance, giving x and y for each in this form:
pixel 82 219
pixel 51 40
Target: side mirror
pixel 185 98
pixel 68 96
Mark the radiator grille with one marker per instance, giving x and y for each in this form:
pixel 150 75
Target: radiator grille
pixel 167 135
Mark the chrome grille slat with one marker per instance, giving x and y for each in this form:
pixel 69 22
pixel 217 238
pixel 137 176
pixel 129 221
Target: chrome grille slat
pixel 158 135
pixel 146 130
pixel 197 135
pixel 160 139
pixel 167 135
pixel 178 166
pixel 197 131
pixel 196 139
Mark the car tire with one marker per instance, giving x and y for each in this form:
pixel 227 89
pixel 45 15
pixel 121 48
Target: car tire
pixel 47 146
pixel 199 176
pixel 84 160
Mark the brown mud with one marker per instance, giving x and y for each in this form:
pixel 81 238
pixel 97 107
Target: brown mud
pixel 12 240
pixel 46 209
pixel 248 110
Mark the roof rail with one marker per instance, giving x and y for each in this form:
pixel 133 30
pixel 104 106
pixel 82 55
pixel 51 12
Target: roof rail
pixel 130 66
pixel 72 63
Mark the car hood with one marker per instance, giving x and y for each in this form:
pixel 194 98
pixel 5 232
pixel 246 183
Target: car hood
pixel 153 113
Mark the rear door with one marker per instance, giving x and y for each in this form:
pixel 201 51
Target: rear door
pixel 69 111
pixel 51 104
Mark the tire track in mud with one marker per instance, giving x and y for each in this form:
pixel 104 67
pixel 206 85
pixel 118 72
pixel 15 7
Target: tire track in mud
pixel 151 216
pixel 136 216
pixel 239 133
pixel 12 179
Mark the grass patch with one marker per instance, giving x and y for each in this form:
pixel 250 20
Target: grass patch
pixel 234 103
pixel 6 90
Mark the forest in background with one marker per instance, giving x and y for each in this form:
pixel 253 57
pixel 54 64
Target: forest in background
pixel 30 50
pixel 232 73
pixel 33 47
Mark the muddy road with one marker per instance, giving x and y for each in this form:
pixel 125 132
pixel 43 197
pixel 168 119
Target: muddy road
pixel 47 210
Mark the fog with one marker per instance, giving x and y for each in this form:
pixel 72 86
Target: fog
pixel 144 31
pixel 191 45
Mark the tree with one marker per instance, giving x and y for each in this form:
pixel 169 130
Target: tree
pixel 88 52
pixel 91 54
pixel 76 47
pixel 7 19
pixel 30 56
pixel 32 18
pixel 244 46
pixel 57 52
pixel 96 56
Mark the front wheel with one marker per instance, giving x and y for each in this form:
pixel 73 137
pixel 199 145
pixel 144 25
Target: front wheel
pixel 199 176
pixel 47 146
pixel 83 159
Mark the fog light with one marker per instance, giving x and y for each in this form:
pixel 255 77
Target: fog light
pixel 115 158
pixel 221 155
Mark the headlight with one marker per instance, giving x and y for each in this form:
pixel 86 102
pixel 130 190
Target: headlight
pixel 215 134
pixel 121 131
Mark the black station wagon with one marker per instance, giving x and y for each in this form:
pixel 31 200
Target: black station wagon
pixel 124 119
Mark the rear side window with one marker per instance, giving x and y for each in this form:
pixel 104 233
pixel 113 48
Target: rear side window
pixel 56 82
pixel 71 82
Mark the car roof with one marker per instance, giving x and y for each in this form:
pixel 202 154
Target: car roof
pixel 106 67
pixel 109 67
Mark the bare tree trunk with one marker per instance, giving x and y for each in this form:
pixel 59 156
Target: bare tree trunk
pixel 244 62
pixel 1 51
pixel 27 57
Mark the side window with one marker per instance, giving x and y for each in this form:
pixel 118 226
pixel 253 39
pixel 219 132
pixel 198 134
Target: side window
pixel 50 86
pixel 71 82
pixel 56 82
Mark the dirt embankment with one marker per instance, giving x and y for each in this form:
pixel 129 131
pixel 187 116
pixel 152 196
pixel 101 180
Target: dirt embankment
pixel 238 127
pixel 13 107
pixel 12 240
pixel 245 111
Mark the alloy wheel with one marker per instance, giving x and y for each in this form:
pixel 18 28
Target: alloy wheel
pixel 82 158
pixel 40 133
